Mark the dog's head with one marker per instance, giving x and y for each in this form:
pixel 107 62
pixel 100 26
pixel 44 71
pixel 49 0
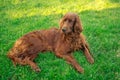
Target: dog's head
pixel 70 23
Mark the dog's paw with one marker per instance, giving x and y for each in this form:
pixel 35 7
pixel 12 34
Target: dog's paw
pixel 37 69
pixel 81 70
pixel 91 61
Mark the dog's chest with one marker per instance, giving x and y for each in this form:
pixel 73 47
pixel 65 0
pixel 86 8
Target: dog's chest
pixel 75 43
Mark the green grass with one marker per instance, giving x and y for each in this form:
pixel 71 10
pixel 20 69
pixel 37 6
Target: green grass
pixel 101 22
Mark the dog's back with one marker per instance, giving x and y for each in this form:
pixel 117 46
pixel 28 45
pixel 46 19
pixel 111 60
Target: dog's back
pixel 29 45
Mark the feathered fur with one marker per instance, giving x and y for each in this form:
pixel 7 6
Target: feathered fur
pixel 62 42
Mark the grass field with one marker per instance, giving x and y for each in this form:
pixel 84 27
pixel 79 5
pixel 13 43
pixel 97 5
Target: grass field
pixel 101 22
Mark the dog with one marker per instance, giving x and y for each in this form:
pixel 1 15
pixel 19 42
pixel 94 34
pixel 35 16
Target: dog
pixel 62 42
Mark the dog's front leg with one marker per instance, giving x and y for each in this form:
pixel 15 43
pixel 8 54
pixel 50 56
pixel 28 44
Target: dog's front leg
pixel 69 58
pixel 87 53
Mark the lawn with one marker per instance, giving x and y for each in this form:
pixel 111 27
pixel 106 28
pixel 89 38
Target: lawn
pixel 101 23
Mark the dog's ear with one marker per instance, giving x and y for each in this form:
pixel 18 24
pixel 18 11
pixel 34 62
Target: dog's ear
pixel 77 25
pixel 61 21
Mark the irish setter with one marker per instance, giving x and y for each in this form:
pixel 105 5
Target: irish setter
pixel 62 42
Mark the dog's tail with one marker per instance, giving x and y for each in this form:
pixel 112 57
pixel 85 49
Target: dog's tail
pixel 10 54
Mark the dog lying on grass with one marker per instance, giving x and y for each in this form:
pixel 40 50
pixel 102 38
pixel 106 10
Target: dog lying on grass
pixel 62 42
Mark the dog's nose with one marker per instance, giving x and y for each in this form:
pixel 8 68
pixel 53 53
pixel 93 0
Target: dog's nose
pixel 63 29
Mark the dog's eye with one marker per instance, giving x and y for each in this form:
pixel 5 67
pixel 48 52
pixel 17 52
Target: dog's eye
pixel 65 19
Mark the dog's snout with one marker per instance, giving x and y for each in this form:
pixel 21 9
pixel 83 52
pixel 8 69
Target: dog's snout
pixel 63 29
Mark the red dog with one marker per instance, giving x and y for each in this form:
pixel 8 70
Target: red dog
pixel 62 42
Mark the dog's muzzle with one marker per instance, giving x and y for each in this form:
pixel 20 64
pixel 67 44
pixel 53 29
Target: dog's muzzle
pixel 64 29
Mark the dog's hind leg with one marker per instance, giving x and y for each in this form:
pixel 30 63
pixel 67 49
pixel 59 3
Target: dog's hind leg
pixel 33 65
pixel 28 60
